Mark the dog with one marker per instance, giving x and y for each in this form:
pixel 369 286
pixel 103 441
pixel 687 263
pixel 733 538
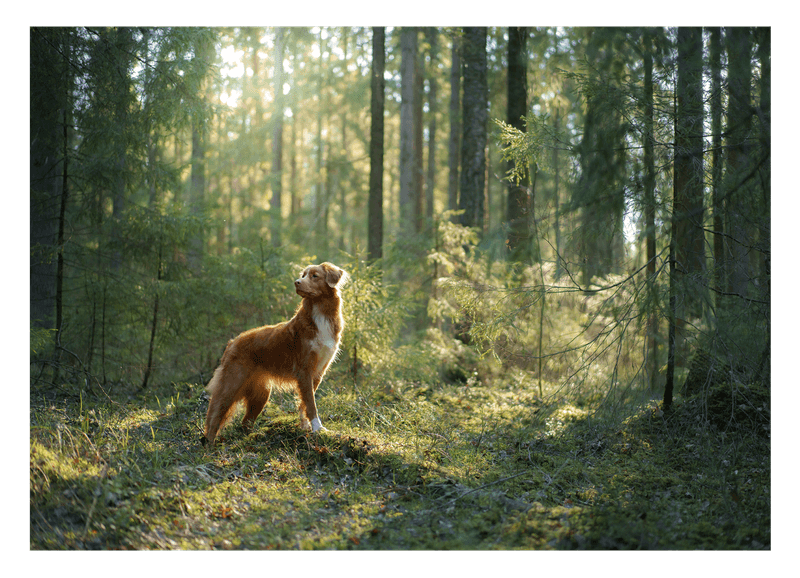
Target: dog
pixel 295 353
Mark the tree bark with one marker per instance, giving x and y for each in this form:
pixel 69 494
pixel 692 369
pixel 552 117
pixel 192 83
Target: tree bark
pixel 453 146
pixel 375 208
pixel 518 207
pixel 650 214
pixel 430 181
pixel 198 175
pixel 717 208
pixel 737 184
pixel 47 100
pixel 474 119
pixel 688 207
pixel 277 142
pixel 408 154
pixel 419 144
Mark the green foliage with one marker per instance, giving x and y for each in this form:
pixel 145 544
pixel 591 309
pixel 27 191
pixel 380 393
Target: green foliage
pixel 41 340
pixel 527 148
pixel 452 258
pixel 467 466
pixel 375 314
pixel 590 337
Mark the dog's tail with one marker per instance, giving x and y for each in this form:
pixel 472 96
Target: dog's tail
pixel 214 383
pixel 216 378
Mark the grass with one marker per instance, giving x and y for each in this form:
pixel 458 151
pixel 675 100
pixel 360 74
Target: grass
pixel 469 466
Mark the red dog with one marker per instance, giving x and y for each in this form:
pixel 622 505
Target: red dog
pixel 293 353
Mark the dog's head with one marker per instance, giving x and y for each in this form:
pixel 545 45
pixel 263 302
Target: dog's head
pixel 320 280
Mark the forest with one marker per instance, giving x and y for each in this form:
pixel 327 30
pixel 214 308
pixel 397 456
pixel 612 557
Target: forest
pixel 557 324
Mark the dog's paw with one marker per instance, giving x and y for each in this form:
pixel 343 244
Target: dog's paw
pixel 316 425
pixel 305 425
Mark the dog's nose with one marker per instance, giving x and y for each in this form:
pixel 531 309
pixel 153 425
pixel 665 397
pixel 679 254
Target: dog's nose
pixel 297 281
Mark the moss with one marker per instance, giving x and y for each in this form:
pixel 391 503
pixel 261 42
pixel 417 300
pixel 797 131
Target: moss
pixel 473 466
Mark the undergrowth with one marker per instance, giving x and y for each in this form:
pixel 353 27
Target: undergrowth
pixel 405 465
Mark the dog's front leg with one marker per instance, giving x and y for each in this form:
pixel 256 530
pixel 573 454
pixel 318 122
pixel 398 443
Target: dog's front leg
pixel 309 420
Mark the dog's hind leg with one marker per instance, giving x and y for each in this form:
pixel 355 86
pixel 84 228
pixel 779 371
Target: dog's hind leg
pixel 223 400
pixel 256 397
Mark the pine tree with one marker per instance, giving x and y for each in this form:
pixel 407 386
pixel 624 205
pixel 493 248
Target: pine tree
pixel 517 211
pixel 474 128
pixel 277 141
pixel 408 142
pixel 454 140
pixel 375 210
pixel 688 214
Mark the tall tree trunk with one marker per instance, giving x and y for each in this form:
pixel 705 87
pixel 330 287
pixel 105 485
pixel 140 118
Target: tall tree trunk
pixel 321 205
pixel 453 145
pixel 375 208
pixel 737 183
pixel 765 132
pixel 651 369
pixel 717 208
pixel 48 93
pixel 342 161
pixel 556 199
pixel 419 145
pixel 474 119
pixel 408 153
pixel 669 387
pixel 197 191
pixel 294 103
pixel 430 181
pixel 764 227
pixel 600 189
pixel 518 208
pixel 688 208
pixel 149 368
pixel 122 40
pixel 198 163
pixel 277 142
pixel 61 226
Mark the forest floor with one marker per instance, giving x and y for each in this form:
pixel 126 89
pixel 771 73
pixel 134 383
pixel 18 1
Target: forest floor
pixel 452 467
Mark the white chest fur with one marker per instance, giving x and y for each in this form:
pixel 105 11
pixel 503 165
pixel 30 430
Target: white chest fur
pixel 324 344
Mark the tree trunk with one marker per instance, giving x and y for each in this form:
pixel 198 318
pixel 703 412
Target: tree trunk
pixel 342 162
pixel 149 368
pixel 321 221
pixel 651 369
pixel 430 181
pixel 419 145
pixel 518 209
pixel 408 154
pixel 453 145
pixel 375 209
pixel 688 206
pixel 294 103
pixel 474 118
pixel 737 184
pixel 198 176
pixel 602 155
pixel 48 92
pixel 718 210
pixel 277 142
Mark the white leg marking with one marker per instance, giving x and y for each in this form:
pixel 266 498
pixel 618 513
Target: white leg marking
pixel 316 424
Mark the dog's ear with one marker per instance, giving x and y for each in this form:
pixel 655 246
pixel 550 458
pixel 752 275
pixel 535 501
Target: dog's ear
pixel 334 275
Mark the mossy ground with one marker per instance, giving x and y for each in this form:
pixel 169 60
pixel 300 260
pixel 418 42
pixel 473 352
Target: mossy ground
pixel 448 467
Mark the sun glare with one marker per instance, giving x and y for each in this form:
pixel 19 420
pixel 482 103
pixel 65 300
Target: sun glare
pixel 232 66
